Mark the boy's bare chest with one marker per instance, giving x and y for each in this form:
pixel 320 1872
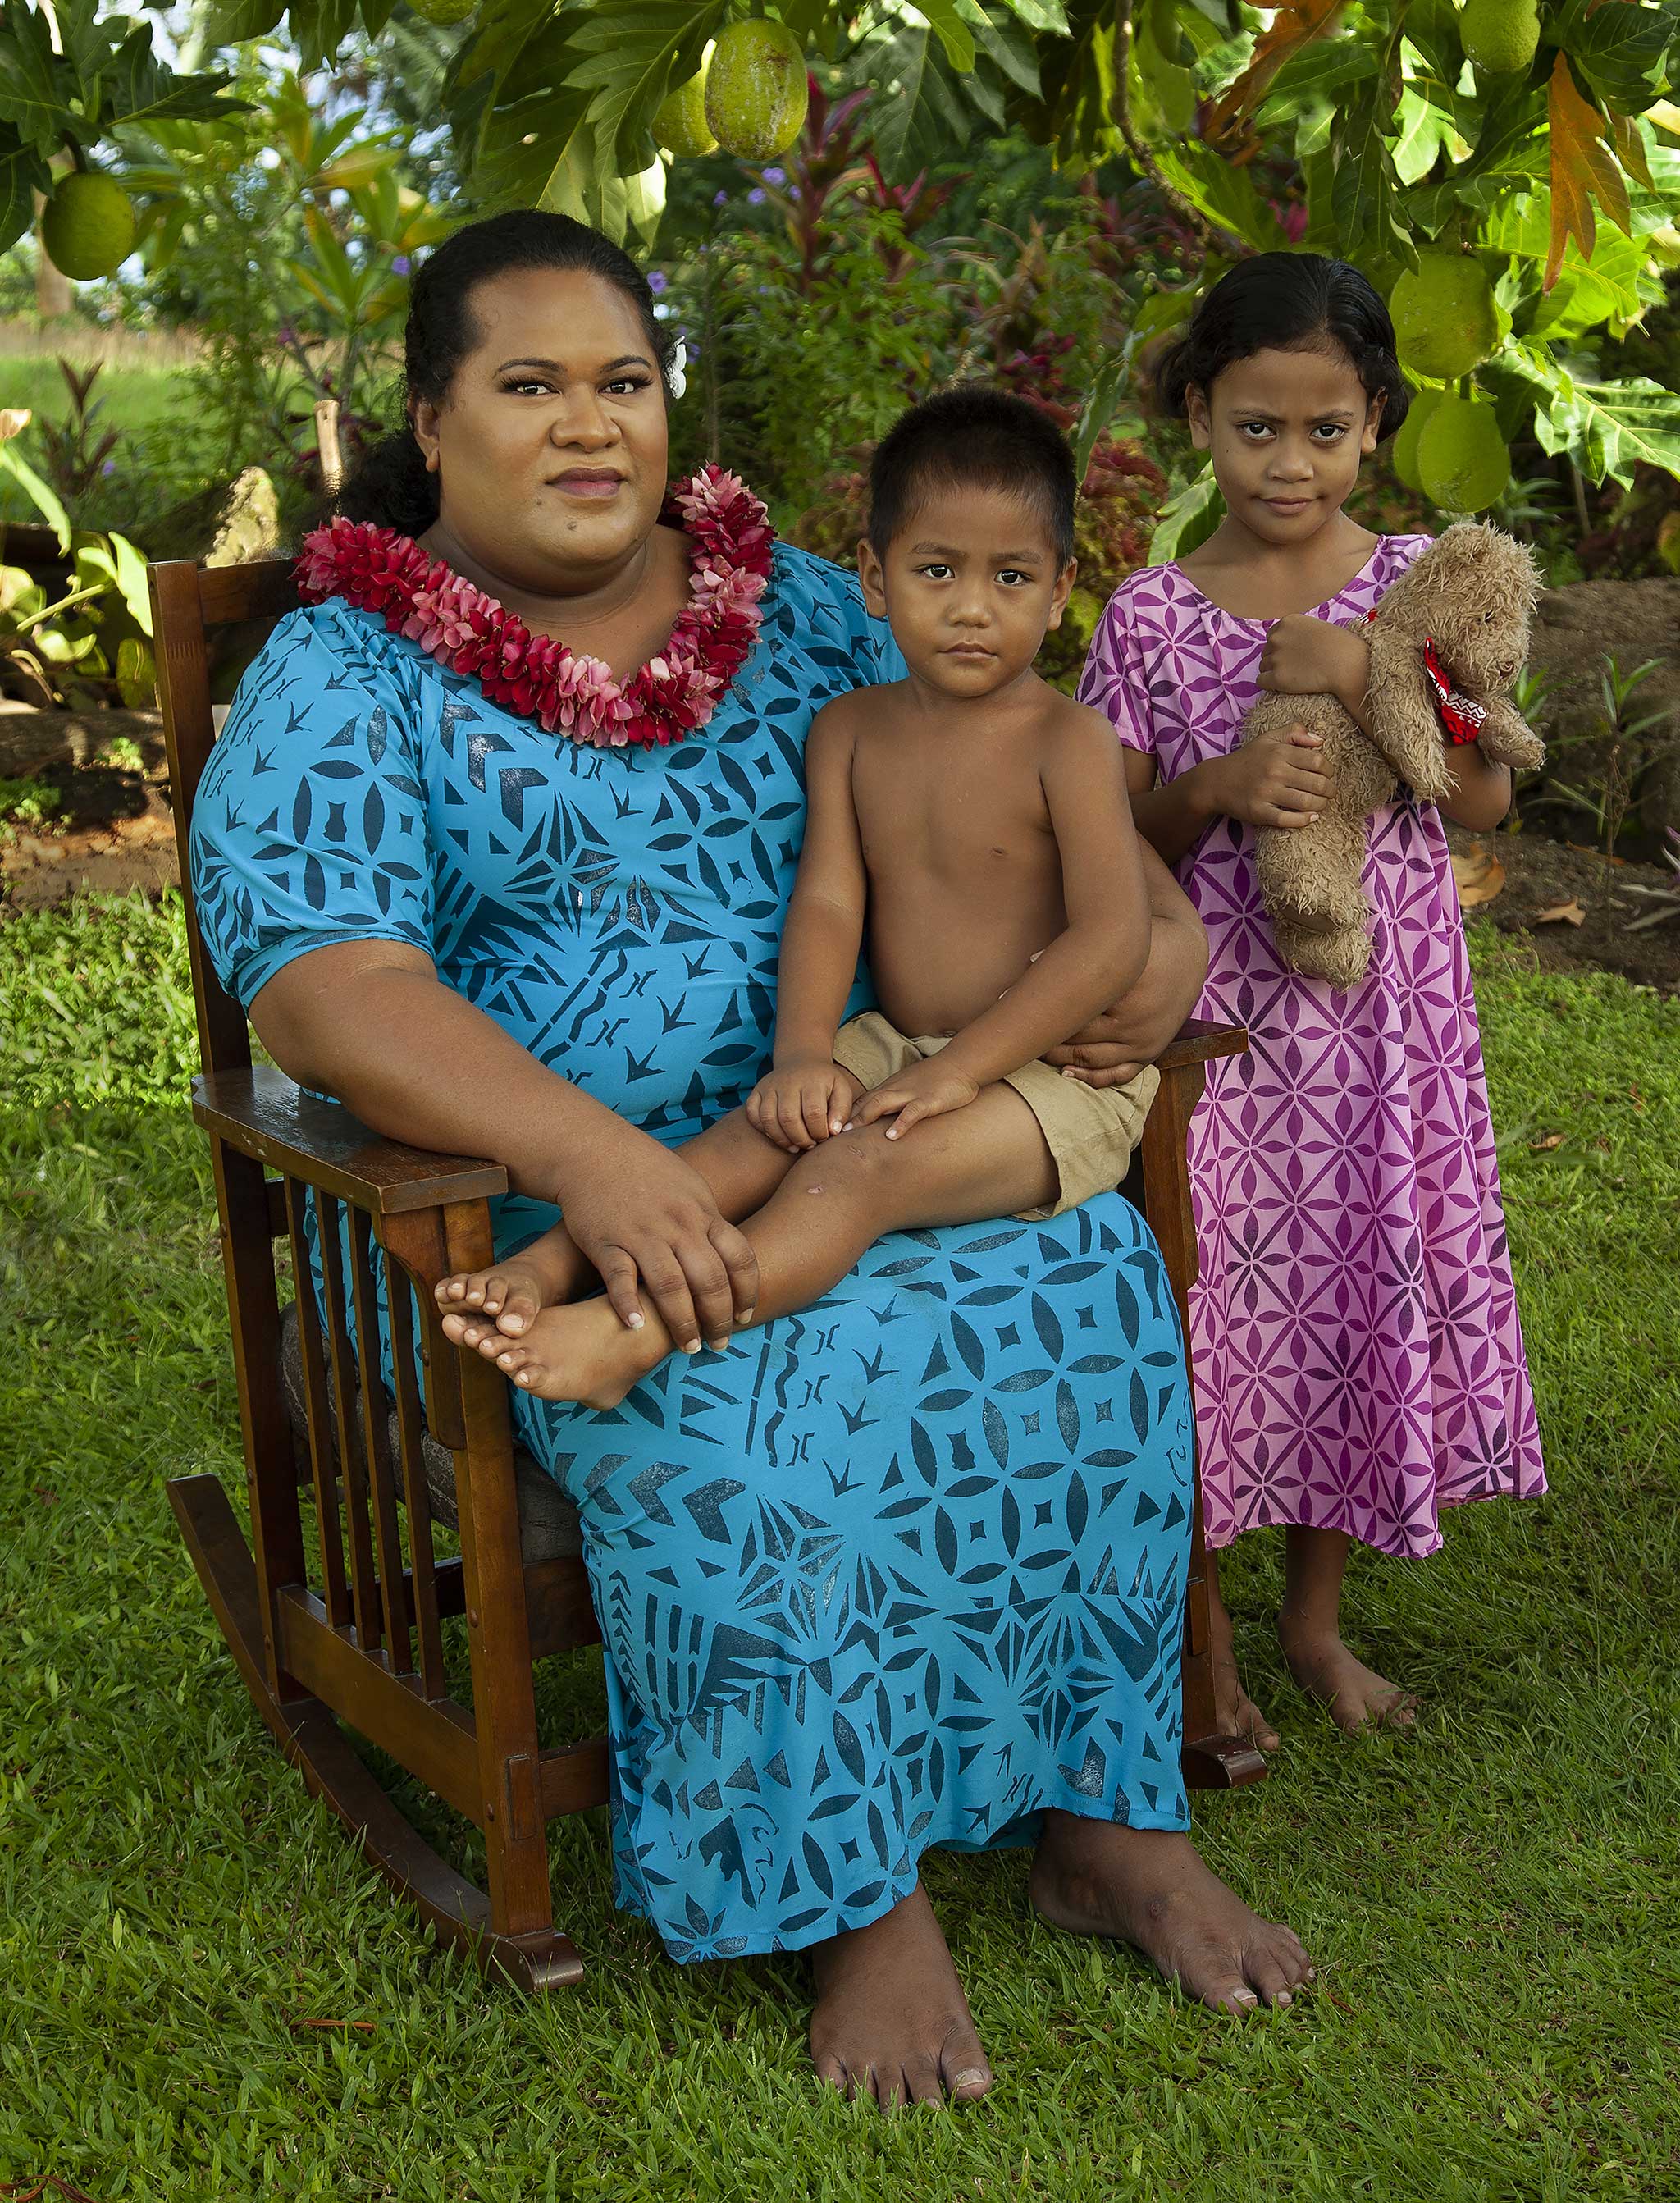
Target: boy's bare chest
pixel 951 813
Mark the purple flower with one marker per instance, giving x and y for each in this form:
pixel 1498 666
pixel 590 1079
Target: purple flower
pixel 776 175
pixel 401 264
pixel 794 193
pixel 109 467
pixel 754 196
pixel 720 199
pixel 658 281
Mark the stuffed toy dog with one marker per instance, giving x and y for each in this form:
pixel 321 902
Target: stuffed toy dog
pixel 1447 642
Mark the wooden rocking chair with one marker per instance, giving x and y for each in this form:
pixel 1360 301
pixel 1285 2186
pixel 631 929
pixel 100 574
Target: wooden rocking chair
pixel 354 1641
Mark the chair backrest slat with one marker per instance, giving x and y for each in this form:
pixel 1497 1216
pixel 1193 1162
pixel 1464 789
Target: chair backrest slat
pixel 187 602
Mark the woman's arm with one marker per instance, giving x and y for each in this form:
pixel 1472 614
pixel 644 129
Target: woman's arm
pixel 371 1022
pixel 1114 1048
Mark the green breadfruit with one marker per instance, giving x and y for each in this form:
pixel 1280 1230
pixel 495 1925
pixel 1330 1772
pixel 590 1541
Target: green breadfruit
pixel 1444 315
pixel 87 227
pixel 757 90
pixel 1500 36
pixel 1462 459
pixel 1403 451
pixel 679 123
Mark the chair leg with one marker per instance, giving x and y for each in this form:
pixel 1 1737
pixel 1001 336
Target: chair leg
pixel 1210 1760
pixel 309 1735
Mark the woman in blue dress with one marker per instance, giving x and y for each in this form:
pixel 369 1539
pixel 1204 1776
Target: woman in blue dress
pixel 495 846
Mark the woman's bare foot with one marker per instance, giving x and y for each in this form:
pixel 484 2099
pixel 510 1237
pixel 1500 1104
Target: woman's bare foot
pixel 891 2019
pixel 1148 1887
pixel 1236 1712
pixel 1357 1696
pixel 513 1292
pixel 581 1352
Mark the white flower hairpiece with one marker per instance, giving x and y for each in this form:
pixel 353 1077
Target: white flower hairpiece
pixel 676 369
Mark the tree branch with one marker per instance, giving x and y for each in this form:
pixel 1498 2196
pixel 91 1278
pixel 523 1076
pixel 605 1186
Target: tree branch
pixel 1214 238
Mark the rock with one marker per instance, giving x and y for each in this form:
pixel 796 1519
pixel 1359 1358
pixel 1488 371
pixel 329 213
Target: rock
pixel 248 528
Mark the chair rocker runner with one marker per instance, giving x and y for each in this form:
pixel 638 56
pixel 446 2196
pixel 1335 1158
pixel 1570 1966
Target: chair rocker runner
pixel 350 1638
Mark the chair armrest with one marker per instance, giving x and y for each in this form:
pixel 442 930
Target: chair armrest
pixel 1198 1041
pixel 261 1113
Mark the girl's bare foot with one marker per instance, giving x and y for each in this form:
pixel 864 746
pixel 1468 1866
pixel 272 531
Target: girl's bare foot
pixel 1237 1713
pixel 1148 1887
pixel 891 2021
pixel 1357 1696
pixel 514 1293
pixel 581 1352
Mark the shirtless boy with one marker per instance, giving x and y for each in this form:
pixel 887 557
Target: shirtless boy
pixel 974 823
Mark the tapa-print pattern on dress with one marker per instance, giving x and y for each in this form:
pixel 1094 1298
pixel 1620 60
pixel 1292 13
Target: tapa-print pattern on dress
pixel 1358 1362
pixel 902 1570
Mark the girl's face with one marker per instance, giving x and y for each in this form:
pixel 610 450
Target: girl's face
pixel 551 446
pixel 1286 431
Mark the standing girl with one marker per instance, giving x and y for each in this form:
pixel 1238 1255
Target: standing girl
pixel 1358 1358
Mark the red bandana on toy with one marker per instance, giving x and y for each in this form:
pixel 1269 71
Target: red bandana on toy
pixel 418 596
pixel 1461 716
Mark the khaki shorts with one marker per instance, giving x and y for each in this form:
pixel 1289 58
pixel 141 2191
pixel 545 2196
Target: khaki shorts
pixel 1091 1132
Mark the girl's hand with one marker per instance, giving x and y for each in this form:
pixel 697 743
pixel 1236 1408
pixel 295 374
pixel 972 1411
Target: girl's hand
pixel 798 1104
pixel 1308 656
pixel 923 1091
pixel 1277 780
pixel 638 1213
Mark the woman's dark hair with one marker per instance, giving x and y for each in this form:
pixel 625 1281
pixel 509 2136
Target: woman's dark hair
pixel 1287 302
pixel 390 484
pixel 975 437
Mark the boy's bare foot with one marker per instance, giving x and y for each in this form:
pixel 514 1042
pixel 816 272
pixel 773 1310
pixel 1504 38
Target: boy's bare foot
pixel 1237 1713
pixel 581 1352
pixel 891 2021
pixel 1357 1696
pixel 513 1292
pixel 1148 1887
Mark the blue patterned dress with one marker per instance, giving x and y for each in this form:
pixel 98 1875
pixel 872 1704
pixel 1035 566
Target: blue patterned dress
pixel 900 1571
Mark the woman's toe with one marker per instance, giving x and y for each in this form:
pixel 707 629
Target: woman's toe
pixel 922 2081
pixel 1268 1975
pixel 831 2071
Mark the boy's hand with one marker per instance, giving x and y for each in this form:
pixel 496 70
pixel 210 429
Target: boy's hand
pixel 1308 656
pixel 1277 780
pixel 925 1091
pixel 798 1104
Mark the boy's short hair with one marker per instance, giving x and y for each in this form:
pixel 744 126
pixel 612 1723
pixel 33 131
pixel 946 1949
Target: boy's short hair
pixel 973 436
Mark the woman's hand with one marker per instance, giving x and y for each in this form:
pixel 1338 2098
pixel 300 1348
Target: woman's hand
pixel 1277 780
pixel 638 1213
pixel 1308 656
pixel 798 1104
pixel 925 1091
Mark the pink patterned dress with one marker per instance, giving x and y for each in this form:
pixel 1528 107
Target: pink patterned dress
pixel 1358 1362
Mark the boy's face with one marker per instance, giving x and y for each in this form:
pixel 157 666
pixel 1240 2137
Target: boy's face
pixel 970 584
pixel 1286 431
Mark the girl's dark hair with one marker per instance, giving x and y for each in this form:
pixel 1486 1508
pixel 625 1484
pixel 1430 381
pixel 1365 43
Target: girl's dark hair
pixel 1287 302
pixel 390 484
pixel 973 436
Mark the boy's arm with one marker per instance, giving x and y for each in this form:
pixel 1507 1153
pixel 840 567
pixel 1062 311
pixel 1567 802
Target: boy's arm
pixel 1105 946
pixel 824 928
pixel 1132 1032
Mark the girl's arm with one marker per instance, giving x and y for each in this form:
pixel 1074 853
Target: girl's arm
pixel 1276 781
pixel 1099 955
pixel 1480 792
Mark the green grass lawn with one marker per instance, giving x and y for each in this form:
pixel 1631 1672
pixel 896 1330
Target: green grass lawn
pixel 209 1996
pixel 132 399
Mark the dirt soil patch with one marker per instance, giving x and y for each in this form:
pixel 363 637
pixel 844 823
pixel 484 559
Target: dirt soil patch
pixel 1543 878
pixel 113 827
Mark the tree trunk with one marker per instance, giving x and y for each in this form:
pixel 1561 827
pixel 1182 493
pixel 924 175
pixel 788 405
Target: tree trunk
pixel 52 290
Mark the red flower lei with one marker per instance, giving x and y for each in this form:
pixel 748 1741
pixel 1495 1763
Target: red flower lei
pixel 418 596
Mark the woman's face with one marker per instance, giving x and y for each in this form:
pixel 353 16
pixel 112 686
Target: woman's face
pixel 1286 431
pixel 551 446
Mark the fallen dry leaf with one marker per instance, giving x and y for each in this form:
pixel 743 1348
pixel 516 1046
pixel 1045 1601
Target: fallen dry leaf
pixel 1548 1140
pixel 361 2026
pixel 1566 914
pixel 1480 876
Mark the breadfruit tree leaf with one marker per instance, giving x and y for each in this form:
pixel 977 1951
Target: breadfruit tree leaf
pixel 1187 520
pixel 1619 50
pixel 627 61
pixel 1583 168
pixel 36 86
pixel 22 171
